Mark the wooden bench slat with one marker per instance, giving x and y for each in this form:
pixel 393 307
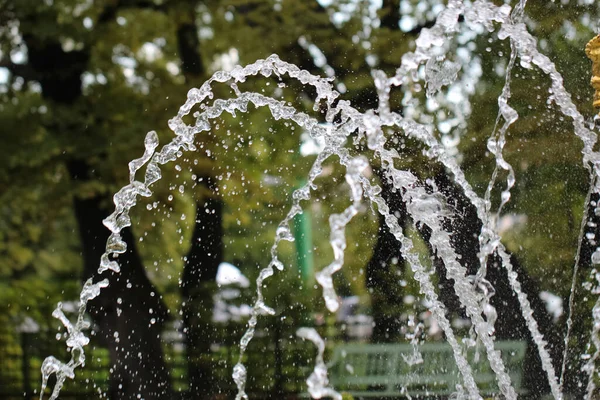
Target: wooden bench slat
pixel 367 370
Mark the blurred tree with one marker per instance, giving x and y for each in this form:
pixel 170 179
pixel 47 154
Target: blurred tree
pixel 59 49
pixel 64 48
pixel 85 79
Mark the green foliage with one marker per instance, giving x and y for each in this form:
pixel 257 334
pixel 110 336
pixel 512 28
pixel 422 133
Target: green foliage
pixel 132 83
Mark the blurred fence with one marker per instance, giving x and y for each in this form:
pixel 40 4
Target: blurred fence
pixel 278 362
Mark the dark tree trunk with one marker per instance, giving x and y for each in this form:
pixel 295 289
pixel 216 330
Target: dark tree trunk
pixel 206 251
pixel 188 45
pixel 197 289
pixel 575 381
pixel 510 325
pixel 390 14
pixel 382 273
pixel 382 282
pixel 464 228
pixel 129 313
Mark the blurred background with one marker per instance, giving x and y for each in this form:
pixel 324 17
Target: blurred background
pixel 83 81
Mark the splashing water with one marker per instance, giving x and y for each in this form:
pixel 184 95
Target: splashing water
pixel 425 203
pixel 318 384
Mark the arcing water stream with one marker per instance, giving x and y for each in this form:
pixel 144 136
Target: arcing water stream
pixel 425 204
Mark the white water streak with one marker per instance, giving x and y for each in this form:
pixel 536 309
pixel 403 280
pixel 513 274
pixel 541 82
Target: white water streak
pixel 318 383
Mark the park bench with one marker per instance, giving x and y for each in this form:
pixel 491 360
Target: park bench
pixel 384 370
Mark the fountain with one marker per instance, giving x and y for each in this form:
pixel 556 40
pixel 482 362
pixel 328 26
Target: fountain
pixel 344 131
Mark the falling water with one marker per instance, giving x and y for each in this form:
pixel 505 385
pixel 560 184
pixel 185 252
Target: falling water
pixel 424 202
